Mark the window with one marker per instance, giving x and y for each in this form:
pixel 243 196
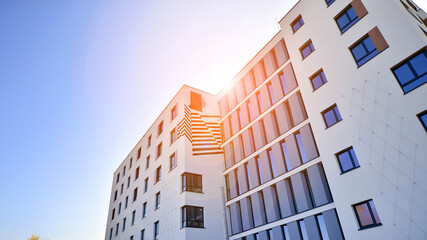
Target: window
pixel 135 194
pixel 157 200
pixel 413 72
pixel 301 147
pixel 158 174
pixel 111 234
pixel 124 225
pixel 423 118
pixel 248 106
pixel 236 179
pixel 139 153
pixel 258 165
pixel 173 136
pixel 271 93
pixel 239 117
pixel 297 23
pixel 156 230
pixel 133 217
pixel 118 178
pixel 128 182
pixel 227 187
pixel 142 234
pixel 174 113
pixel 322 226
pixel 117 229
pixel 146 185
pixel 346 19
pixel 120 208
pixel 149 141
pixel 318 79
pixel 329 2
pixel 303 229
pixel 112 215
pixel 130 163
pixel 261 107
pixel 248 176
pixel 115 195
pixel 159 150
pixel 147 163
pixel 192 217
pixel 137 173
pixel 363 51
pixel 272 163
pixel 131 237
pixel 126 201
pixel 347 160
pixel 160 128
pixel 144 210
pixel 121 188
pixel 367 215
pixel 331 115
pixel 124 170
pixel 306 49
pixel 286 232
pixel 286 156
pixel 172 161
pixel 192 182
pixel 283 82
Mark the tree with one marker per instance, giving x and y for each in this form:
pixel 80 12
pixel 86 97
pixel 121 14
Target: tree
pixel 34 237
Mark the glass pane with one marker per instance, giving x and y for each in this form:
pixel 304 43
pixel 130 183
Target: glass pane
pixel 271 91
pixel 301 148
pixel 374 211
pixel 286 156
pixel 345 161
pixel 260 102
pixel 364 215
pixel 286 231
pixel 317 82
pixel 419 63
pixel 358 52
pixel 411 86
pixel 404 74
pixel 343 21
pixel 261 178
pixel 369 44
pixel 322 227
pixel 337 113
pixel 423 119
pixel 272 163
pixel 353 156
pixel 303 229
pixel 330 118
pixel 248 176
pixel 306 51
pixel 352 14
pixel 284 85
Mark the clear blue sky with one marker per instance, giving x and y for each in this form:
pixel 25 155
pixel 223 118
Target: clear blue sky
pixel 82 80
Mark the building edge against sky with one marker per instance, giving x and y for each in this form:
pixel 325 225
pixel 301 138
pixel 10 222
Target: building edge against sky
pixel 322 135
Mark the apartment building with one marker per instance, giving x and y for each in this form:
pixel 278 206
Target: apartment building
pixel 324 129
pixel 169 186
pixel 322 135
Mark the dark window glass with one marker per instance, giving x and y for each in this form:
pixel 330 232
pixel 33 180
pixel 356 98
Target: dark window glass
pixel 329 2
pixel 297 23
pixel 347 160
pixel 146 185
pixel 192 182
pixel 118 178
pixel 111 234
pixel 413 72
pixel 149 141
pixel 136 173
pixel 251 116
pixel 318 80
pixel 133 217
pixel 363 51
pixel 173 136
pixel 124 225
pixel 158 174
pixel 307 49
pixel 347 19
pixel 147 163
pixel 121 189
pixel 172 160
pixel 159 150
pixel 331 116
pixel 322 227
pixel 117 229
pixel 174 113
pixel 135 194
pixel 115 195
pixel 236 175
pixel 367 215
pixel 160 129
pixel 142 234
pixel 156 230
pixel 126 201
pixel 192 217
pixel 128 182
pixel 284 85
pixel 120 208
pixel 139 153
pixel 301 148
pixel 157 200
pixel 423 118
pixel 261 107
pixel 112 215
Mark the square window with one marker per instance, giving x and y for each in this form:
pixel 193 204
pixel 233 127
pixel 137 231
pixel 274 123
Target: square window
pixel 172 161
pixel 423 118
pixel 192 182
pixel 364 50
pixel 297 23
pixel 412 73
pixel 157 200
pixel 158 173
pixel 331 115
pixel 318 79
pixel 347 160
pixel 160 128
pixel 366 214
pixel 306 49
pixel 173 136
pixel 329 2
pixel 149 141
pixel 192 217
pixel 347 19
pixel 159 150
pixel 174 113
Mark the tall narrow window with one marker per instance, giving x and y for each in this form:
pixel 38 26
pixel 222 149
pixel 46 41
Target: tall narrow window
pixel 113 213
pixel 367 215
pixel 260 104
pixel 364 50
pixel 286 232
pixel 126 201
pixel 143 234
pixel 156 230
pixel 347 19
pixel 160 128
pixel 236 176
pixel 118 178
pixel 412 73
pixel 307 49
pixel 297 23
pixel 111 234
pixel 192 217
pixel 135 194
pixel 144 210
pixel 248 176
pixel 174 113
pixel 117 229
pixel 322 226
pixel 139 153
pixel 130 163
pixel 227 186
pixel 331 115
pixel 303 229
pixel 157 200
pixel 347 160
pixel 133 217
pixel 128 185
pixel 172 161
pixel 271 93
pixel 301 147
pixel 272 163
pixel 250 113
pixel 173 136
pixel 158 173
pixel 124 225
pixel 124 170
pixel 283 82
pixel 149 141
pixel 147 163
pixel 146 185
pixel 159 150
pixel 192 182
pixel 318 79
pixel 286 156
pixel 121 188
pixel 258 162
pixel 120 208
pixel 137 173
